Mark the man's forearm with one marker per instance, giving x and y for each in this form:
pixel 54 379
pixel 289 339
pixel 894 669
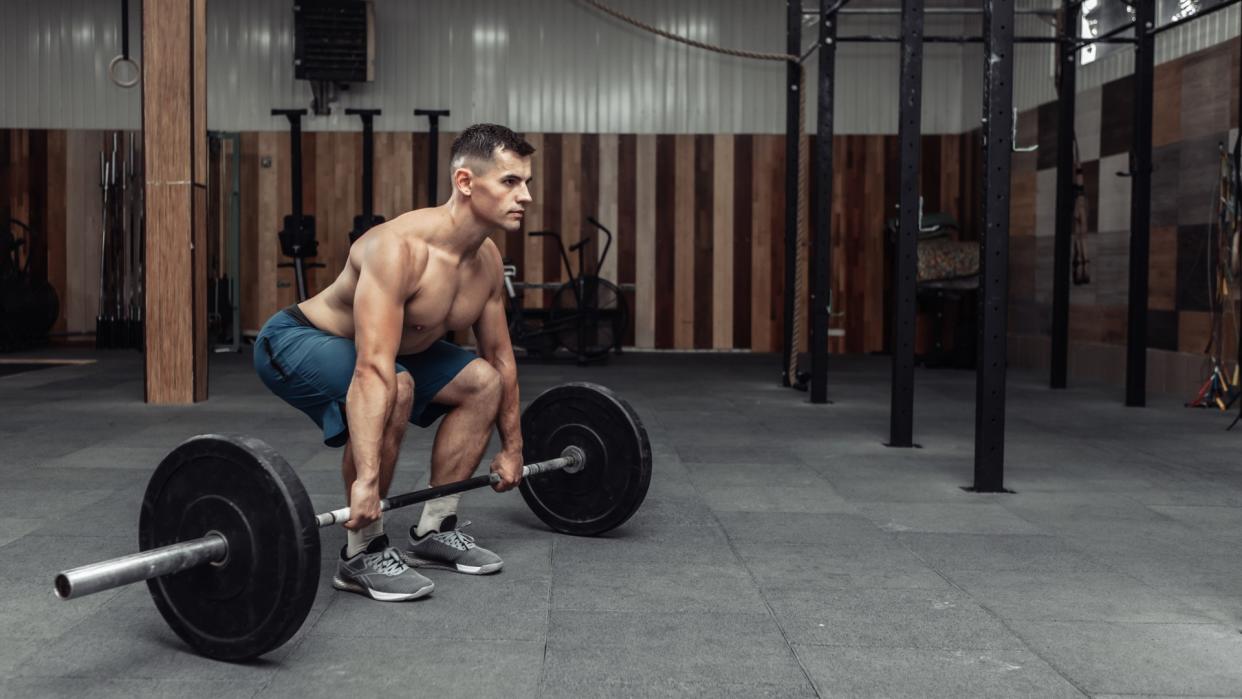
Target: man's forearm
pixel 509 418
pixel 369 402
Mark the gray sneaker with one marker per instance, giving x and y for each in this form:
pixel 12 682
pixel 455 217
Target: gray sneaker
pixel 451 549
pixel 379 573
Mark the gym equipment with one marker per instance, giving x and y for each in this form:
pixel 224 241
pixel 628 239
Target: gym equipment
pixel 229 542
pixel 29 306
pixel 433 151
pixel 123 59
pixel 118 323
pixel 589 314
pixel 297 237
pixel 367 219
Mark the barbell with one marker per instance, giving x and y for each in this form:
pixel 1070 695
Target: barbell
pixel 229 542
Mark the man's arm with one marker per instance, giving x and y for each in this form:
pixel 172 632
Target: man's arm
pixel 492 333
pixel 379 310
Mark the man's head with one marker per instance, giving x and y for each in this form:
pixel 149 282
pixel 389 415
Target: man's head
pixel 491 170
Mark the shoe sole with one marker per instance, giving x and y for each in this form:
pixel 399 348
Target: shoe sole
pixel 347 586
pixel 415 562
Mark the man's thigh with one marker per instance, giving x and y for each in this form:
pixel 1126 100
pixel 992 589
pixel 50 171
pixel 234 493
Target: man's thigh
pixel 432 371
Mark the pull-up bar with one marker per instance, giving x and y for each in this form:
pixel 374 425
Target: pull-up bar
pixel 927 11
pixel 881 39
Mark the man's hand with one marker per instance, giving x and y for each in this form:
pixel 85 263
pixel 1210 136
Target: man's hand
pixel 364 504
pixel 509 466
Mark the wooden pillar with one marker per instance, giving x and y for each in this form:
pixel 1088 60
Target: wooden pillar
pixel 174 133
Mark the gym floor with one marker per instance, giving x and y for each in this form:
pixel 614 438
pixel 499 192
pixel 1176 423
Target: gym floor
pixel 782 549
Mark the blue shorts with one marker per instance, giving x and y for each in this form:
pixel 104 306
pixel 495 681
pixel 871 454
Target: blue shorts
pixel 311 370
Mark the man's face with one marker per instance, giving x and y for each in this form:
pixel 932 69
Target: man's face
pixel 499 191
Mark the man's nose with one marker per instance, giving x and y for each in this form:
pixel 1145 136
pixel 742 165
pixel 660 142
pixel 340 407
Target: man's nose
pixel 524 195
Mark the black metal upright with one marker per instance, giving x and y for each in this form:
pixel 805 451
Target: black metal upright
pixel 905 256
pixel 1066 195
pixel 994 246
pixel 821 283
pixel 793 73
pixel 433 151
pixel 1140 203
pixel 367 219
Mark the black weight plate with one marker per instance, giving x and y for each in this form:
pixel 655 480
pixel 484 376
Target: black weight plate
pixel 612 485
pixel 254 600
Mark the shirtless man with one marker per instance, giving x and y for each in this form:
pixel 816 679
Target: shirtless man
pixel 364 357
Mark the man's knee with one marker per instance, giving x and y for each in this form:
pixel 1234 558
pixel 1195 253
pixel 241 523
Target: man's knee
pixel 481 380
pixel 405 391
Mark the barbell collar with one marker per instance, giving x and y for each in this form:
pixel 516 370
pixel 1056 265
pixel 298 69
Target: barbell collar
pixel 166 560
pixel 572 459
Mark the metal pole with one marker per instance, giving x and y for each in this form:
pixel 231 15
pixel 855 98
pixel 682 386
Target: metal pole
pixel 295 146
pixel 929 11
pixel 1066 199
pixel 1140 204
pixel 572 459
pixel 905 257
pixel 145 565
pixel 793 46
pixel 994 246
pixel 235 239
pixel 821 290
pixel 433 150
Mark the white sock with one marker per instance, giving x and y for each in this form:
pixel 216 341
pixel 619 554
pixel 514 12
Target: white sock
pixel 357 541
pixel 434 513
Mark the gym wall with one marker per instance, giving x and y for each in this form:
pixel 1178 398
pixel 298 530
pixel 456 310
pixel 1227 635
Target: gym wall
pixel 1195 109
pixel 720 197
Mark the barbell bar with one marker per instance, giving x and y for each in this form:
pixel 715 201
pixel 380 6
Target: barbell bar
pixel 214 548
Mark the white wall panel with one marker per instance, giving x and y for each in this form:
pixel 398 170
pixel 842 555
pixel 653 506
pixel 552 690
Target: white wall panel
pixel 538 65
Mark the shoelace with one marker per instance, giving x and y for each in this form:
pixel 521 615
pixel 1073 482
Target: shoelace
pixel 456 538
pixel 387 563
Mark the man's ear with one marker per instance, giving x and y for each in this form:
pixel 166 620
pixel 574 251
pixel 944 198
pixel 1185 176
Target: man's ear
pixel 463 180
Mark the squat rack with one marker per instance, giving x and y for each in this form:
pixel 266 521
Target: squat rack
pixel 997 133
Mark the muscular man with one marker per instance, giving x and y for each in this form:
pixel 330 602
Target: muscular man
pixel 364 357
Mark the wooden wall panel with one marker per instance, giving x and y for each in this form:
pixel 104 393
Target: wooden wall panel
pixel 627 221
pixel 553 162
pixel 394 174
pixel 607 192
pixel 761 272
pixel 699 223
pixel 570 225
pixel 704 262
pixel 645 224
pixel 589 176
pixel 79 299
pixel 743 238
pixel 776 243
pixel 532 248
pixel 683 239
pixel 722 240
pixel 666 249
pixel 56 271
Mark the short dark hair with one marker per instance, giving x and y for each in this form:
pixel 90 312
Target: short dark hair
pixel 481 141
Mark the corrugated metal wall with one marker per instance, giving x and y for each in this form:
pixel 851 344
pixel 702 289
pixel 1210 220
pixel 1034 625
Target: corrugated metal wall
pixel 538 65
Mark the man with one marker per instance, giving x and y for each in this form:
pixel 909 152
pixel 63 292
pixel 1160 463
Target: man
pixel 364 357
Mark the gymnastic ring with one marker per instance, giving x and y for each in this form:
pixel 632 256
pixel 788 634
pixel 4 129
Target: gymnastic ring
pixel 112 73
